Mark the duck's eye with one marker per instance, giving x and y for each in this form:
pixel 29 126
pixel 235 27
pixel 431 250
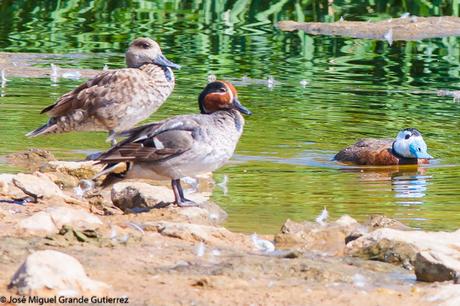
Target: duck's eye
pixel 407 136
pixel 222 90
pixel 145 46
pixel 419 149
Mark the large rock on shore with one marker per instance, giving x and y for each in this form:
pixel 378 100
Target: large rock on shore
pixel 31 159
pixel 434 255
pixel 213 235
pixel 329 239
pixel 53 218
pixel 49 273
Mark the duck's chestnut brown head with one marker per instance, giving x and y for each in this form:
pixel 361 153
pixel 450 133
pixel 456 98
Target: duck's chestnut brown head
pixel 220 95
pixel 146 51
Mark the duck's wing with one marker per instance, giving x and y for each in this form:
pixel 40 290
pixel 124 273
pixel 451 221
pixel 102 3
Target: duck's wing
pixel 155 142
pixel 106 87
pixel 368 152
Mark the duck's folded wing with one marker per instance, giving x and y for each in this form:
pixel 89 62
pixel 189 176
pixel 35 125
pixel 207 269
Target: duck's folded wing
pixel 154 142
pixel 106 87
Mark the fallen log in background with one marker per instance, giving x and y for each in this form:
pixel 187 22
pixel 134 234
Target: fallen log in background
pixel 408 28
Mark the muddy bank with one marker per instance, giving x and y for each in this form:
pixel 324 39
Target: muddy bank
pixel 404 28
pixel 73 238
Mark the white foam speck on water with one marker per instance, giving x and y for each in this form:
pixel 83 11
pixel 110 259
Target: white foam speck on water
pixel 211 78
pixel 341 19
pixel 270 82
pixel 223 185
pixel 200 249
pixel 105 68
pixel 413 19
pixel 54 70
pixel 455 94
pixel 304 83
pixel 262 245
pixel 405 15
pixel 359 280
pixel 389 36
pixel 322 218
pixel 216 252
pixel 72 75
pixel 3 76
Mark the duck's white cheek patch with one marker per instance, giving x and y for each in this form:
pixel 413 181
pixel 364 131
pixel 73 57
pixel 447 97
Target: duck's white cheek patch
pixel 158 144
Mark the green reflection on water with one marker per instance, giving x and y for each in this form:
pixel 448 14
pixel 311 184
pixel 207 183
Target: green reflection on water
pixel 356 88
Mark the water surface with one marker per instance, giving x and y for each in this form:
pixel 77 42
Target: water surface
pixel 328 92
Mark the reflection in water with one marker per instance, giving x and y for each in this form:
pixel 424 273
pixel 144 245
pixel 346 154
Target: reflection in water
pixel 409 183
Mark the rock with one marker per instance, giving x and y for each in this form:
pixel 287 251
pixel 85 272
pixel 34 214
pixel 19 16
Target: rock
pixel 436 267
pixel 31 159
pixel 79 170
pixel 445 295
pixel 77 218
pixel 207 212
pixel 435 255
pixel 51 220
pixel 346 220
pixel 48 273
pixel 380 221
pixel 37 184
pixel 6 184
pixel 129 196
pixel 63 180
pixel 218 236
pixel 136 195
pixel 328 239
pixel 39 223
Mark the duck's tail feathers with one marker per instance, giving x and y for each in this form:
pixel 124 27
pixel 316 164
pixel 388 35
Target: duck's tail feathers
pixel 47 128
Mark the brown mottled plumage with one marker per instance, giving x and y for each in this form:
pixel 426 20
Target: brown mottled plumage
pixel 115 100
pixel 185 145
pixel 376 152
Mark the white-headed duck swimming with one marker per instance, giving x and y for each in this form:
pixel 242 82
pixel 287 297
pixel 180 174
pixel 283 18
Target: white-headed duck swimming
pixel 185 145
pixel 115 100
pixel 408 148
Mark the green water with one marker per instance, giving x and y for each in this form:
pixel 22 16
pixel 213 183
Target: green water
pixel 282 169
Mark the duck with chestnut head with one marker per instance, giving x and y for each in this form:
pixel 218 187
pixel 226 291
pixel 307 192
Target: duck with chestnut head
pixel 185 145
pixel 115 100
pixel 408 148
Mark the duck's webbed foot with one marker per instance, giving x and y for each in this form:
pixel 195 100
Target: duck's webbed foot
pixel 180 199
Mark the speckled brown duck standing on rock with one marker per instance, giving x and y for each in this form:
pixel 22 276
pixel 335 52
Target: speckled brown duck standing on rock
pixel 115 100
pixel 408 148
pixel 185 145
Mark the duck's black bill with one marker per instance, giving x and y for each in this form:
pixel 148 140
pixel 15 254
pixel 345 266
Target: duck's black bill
pixel 161 60
pixel 240 107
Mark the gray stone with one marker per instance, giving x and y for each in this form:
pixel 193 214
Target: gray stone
pixel 435 255
pixel 49 272
pixel 132 195
pixel 51 220
pixel 436 267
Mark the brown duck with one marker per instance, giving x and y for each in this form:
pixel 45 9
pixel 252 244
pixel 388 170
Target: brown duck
pixel 408 148
pixel 115 100
pixel 185 145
